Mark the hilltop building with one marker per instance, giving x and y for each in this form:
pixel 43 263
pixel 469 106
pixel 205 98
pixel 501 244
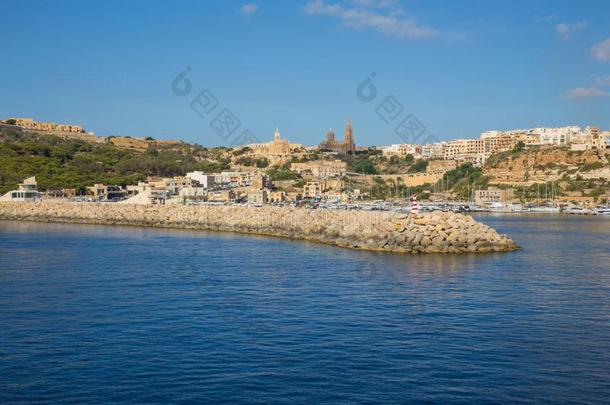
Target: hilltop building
pixel 401 149
pixel 277 149
pixel 344 147
pixel 597 139
pixel 29 123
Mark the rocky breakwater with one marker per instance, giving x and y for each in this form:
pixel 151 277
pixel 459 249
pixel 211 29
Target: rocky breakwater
pixel 376 231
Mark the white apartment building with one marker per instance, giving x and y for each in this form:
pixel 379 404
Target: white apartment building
pixel 207 181
pixel 491 134
pixel 432 151
pixel 557 136
pixel 401 149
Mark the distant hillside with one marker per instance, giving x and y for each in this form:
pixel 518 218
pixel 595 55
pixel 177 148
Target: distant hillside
pixel 565 172
pixel 72 163
pixel 538 164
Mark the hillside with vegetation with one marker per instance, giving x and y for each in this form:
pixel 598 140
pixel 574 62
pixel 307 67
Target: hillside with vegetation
pixel 73 163
pixel 535 173
pixel 546 171
pixel 61 163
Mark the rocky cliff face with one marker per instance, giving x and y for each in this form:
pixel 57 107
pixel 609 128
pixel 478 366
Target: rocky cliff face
pixel 540 165
pixel 387 232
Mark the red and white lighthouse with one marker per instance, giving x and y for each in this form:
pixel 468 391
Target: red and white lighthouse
pixel 414 208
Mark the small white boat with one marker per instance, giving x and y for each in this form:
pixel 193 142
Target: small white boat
pixel 602 210
pixel 578 211
pixel 500 207
pixel 543 209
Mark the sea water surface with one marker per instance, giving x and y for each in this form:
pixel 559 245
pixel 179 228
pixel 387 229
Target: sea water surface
pixel 124 314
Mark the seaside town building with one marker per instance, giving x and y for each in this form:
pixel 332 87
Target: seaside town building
pixel 207 181
pixel 234 179
pixel 261 181
pixel 162 185
pixel 313 189
pixel 60 193
pixel 181 182
pixel 277 196
pixel 321 168
pixel 344 147
pixel 26 191
pixel 258 196
pixel 193 194
pixel 492 196
pixel 103 192
pixel 223 196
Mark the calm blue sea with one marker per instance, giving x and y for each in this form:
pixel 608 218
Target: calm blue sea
pixel 120 314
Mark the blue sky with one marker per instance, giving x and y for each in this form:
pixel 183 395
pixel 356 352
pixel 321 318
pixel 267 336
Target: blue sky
pixel 459 67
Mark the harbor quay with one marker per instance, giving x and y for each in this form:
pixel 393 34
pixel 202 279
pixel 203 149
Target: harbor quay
pixel 435 232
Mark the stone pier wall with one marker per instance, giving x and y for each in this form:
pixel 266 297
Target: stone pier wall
pixel 375 231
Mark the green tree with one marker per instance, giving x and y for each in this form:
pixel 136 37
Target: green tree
pixel 419 167
pixel 519 147
pixel 364 166
pixel 262 163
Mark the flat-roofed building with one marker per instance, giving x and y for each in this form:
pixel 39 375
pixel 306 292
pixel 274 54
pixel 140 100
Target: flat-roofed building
pixel 207 181
pixel 321 168
pixel 258 197
pixel 235 179
pixel 499 144
pixel 261 181
pixel 312 189
pixel 26 191
pixel 492 195
pixel 277 196
pixel 103 192
pixel 222 196
pixel 61 193
pixel 402 149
